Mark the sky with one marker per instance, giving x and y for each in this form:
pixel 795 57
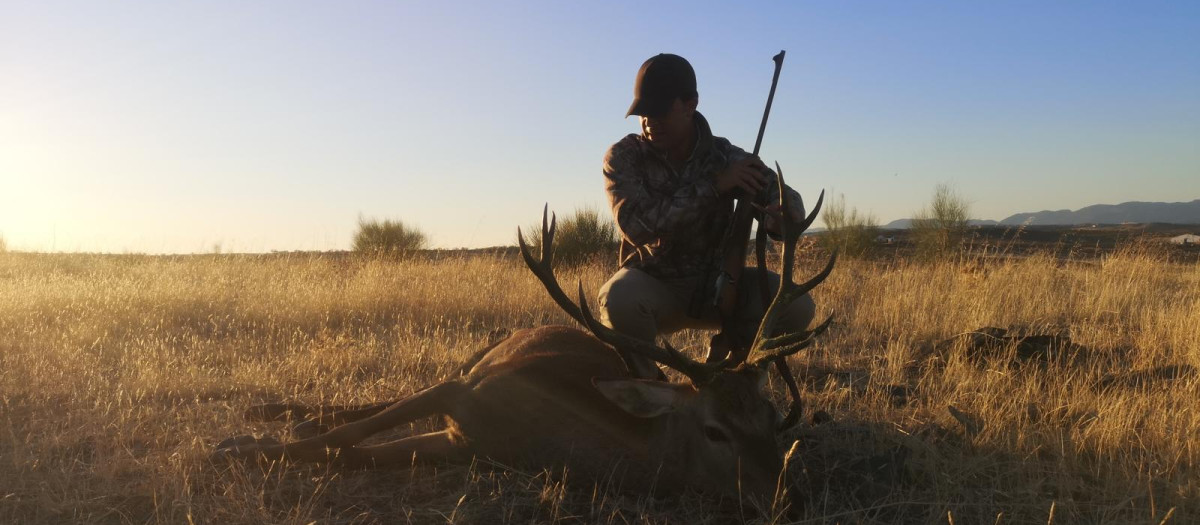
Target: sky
pixel 178 127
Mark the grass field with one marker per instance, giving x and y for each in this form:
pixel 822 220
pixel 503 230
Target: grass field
pixel 119 373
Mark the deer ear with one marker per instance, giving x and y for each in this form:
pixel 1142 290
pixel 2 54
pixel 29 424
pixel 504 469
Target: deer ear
pixel 642 397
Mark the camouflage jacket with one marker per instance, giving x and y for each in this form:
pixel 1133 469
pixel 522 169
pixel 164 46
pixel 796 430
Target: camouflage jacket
pixel 672 222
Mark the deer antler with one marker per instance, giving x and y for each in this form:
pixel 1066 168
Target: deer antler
pixel 768 347
pixel 544 269
pixel 699 373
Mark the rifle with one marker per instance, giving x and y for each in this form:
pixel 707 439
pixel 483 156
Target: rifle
pixel 734 262
pixel 733 250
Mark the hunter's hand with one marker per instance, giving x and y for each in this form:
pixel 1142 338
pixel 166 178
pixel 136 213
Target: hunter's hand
pixel 746 175
pixel 772 217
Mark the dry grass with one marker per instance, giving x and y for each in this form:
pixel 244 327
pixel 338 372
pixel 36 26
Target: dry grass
pixel 121 372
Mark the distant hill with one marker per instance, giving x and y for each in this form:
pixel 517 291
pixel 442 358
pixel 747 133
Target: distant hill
pixel 1136 212
pixel 1140 212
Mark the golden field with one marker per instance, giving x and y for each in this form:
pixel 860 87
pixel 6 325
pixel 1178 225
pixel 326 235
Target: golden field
pixel 120 373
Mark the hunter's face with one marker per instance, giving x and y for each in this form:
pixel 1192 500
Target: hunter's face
pixel 667 131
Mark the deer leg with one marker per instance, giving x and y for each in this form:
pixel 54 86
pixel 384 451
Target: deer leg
pixel 316 420
pixel 432 446
pixel 333 415
pixel 328 415
pixel 438 399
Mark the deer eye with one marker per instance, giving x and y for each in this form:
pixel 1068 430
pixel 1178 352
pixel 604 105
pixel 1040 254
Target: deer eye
pixel 714 433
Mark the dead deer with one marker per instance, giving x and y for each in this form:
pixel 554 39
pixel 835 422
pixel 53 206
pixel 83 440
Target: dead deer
pixel 559 396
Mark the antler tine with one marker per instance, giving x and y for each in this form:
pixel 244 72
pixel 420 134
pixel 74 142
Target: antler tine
pixel 548 235
pixel 791 238
pixel 788 292
pixel 698 372
pixel 776 348
pixel 544 269
pixel 793 415
pixel 812 216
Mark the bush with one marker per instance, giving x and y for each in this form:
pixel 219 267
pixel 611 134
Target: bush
pixel 941 227
pixel 585 236
pixel 850 232
pixel 387 237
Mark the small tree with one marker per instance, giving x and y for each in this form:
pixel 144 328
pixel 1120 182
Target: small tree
pixel 3 245
pixel 850 232
pixel 387 237
pixel 940 227
pixel 583 237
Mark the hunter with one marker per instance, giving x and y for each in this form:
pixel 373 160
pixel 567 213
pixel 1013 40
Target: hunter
pixel 671 189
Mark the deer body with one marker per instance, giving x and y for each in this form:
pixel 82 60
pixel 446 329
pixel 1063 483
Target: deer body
pixel 556 396
pixel 546 396
pixel 532 402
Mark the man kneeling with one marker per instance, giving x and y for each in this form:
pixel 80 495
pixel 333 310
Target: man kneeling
pixel 671 189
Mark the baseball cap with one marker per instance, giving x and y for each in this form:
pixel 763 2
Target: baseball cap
pixel 662 79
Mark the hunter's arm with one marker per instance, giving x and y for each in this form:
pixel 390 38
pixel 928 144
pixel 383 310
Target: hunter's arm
pixel 641 217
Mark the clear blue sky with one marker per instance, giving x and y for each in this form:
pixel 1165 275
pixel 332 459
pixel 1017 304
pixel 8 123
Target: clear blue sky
pixel 173 126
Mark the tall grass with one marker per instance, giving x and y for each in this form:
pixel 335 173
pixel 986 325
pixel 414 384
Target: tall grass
pixel 121 372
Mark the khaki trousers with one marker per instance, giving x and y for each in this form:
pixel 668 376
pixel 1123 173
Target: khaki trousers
pixel 639 305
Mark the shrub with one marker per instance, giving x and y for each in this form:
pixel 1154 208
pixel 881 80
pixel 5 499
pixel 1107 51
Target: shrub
pixel 583 237
pixel 387 237
pixel 850 232
pixel 3 245
pixel 940 227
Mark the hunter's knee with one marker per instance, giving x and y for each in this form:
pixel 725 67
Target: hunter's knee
pixel 800 313
pixel 621 304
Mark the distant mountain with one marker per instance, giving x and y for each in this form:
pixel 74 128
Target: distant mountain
pixel 1138 212
pixel 904 224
